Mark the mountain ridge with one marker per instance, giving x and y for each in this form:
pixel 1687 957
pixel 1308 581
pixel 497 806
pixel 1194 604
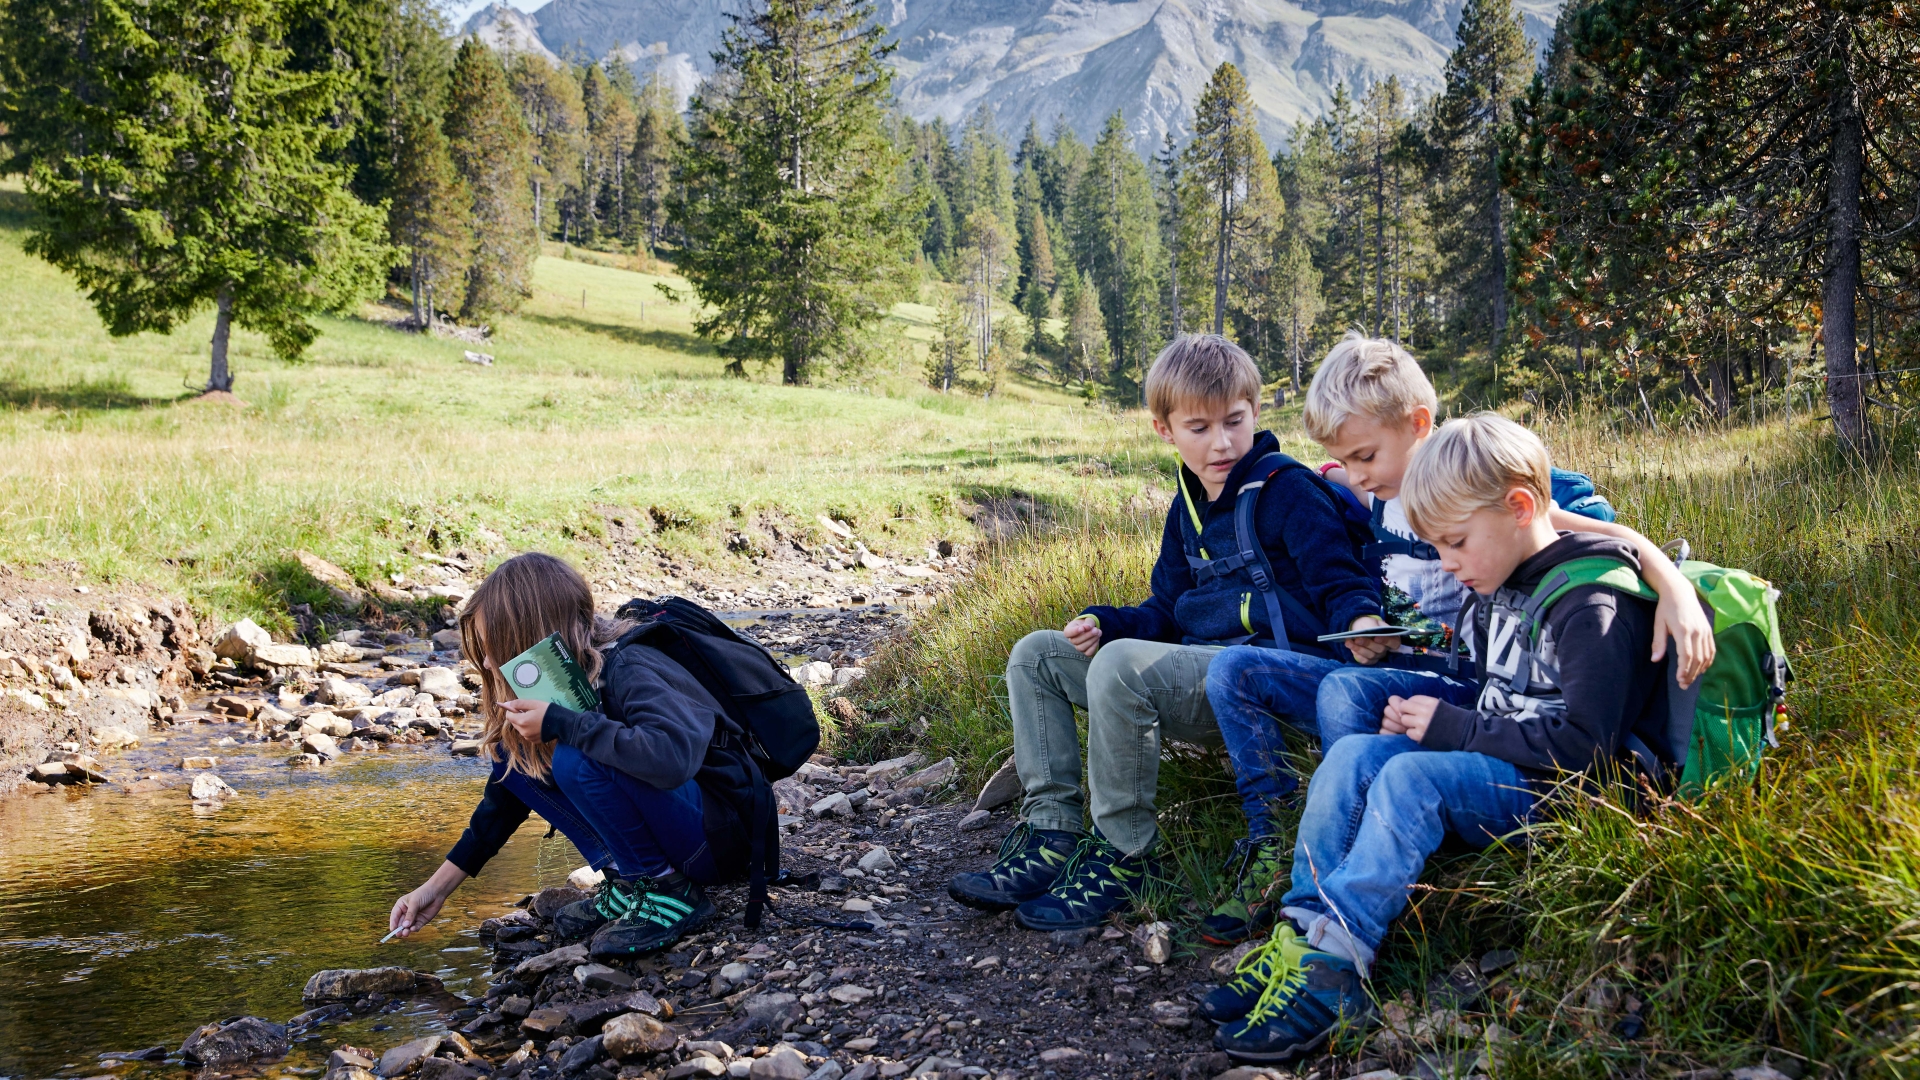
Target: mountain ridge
pixel 1071 60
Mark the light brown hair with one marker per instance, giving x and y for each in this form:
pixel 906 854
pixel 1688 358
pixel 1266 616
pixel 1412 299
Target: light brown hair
pixel 1201 369
pixel 522 601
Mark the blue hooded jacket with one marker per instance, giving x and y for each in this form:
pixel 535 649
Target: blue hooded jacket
pixel 1305 538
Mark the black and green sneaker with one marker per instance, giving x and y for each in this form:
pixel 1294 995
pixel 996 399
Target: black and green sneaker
pixel 1258 867
pixel 1029 861
pixel 612 898
pixel 663 912
pixel 1097 882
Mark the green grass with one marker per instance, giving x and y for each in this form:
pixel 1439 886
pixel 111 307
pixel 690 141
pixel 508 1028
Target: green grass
pixel 1782 920
pixel 381 444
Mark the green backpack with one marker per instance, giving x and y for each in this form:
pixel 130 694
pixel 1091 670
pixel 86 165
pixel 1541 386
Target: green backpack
pixel 1719 723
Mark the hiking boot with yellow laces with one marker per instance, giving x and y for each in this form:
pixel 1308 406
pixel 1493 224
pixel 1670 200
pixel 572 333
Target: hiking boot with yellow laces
pixel 1097 882
pixel 1030 861
pixel 1235 998
pixel 1308 994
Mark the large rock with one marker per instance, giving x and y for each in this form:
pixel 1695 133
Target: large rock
pixel 439 1068
pixel 892 767
pixel 551 961
pixel 241 641
pixel 326 723
pixel 933 776
pixel 234 1042
pixel 633 1034
pixel 274 655
pixel 346 984
pixel 210 788
pixel 441 682
pixel 408 1055
pixel 338 581
pixel 320 744
pixel 338 691
pixel 348 1072
pixel 587 1017
pixel 115 737
pixel 784 1063
pixel 813 673
pixel 1002 788
pixel 547 902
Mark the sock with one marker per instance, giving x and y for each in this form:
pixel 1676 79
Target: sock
pixel 1329 935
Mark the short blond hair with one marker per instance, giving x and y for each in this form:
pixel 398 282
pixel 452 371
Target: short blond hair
pixel 1368 376
pixel 1200 368
pixel 1471 464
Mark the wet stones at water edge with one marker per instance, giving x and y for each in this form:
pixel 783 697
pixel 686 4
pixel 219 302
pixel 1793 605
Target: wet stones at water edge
pixel 235 1042
pixel 350 984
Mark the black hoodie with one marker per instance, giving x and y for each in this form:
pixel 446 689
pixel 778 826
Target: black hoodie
pixel 1590 684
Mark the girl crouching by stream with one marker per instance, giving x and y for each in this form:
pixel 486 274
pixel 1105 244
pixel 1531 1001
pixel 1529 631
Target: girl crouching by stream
pixel 619 783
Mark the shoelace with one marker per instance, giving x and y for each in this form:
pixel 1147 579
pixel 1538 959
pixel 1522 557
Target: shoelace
pixel 614 897
pixel 659 908
pixel 1288 976
pixel 1257 966
pixel 1015 840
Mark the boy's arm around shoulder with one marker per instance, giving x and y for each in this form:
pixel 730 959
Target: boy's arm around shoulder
pixel 1153 618
pixel 1600 640
pixel 656 729
pixel 1314 537
pixel 1679 615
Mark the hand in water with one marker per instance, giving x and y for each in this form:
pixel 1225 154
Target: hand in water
pixel 415 910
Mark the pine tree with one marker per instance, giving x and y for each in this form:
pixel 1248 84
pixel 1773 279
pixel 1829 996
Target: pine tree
pixel 659 134
pixel 176 161
pixel 1486 73
pixel 1117 236
pixel 493 151
pixel 1227 194
pixel 431 218
pixel 555 116
pixel 1084 348
pixel 796 234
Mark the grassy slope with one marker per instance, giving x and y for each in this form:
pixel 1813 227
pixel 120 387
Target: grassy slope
pixel 379 440
pixel 1785 917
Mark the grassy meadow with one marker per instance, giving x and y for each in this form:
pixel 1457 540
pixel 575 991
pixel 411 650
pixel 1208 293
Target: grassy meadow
pixel 380 444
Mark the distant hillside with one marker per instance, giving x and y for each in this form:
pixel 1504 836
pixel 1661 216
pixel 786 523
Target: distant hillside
pixel 1077 59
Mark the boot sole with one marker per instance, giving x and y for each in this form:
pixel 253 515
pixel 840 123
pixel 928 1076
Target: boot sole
pixel 1267 1057
pixel 980 903
pixel 693 925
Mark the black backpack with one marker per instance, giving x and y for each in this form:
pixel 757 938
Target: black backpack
pixel 769 731
pixel 1282 606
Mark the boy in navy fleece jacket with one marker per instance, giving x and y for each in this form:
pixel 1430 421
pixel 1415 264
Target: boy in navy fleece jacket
pixel 1137 670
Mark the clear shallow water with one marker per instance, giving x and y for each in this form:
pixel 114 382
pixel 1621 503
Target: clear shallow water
pixel 127 918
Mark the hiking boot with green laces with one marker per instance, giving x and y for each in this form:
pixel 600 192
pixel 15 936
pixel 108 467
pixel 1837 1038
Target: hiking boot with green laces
pixel 662 914
pixel 1096 882
pixel 1257 866
pixel 1308 994
pixel 1030 860
pixel 1234 998
pixel 612 898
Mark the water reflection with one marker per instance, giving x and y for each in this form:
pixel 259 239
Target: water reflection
pixel 127 918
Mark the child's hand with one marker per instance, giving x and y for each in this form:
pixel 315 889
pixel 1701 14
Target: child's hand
pixel 1678 615
pixel 1408 716
pixel 1368 650
pixel 525 717
pixel 1084 634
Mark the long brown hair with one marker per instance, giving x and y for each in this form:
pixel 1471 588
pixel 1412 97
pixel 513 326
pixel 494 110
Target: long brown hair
pixel 522 601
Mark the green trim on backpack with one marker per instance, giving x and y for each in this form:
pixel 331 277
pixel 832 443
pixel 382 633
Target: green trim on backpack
pixel 1725 720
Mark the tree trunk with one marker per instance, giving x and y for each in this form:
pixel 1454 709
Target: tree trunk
pixel 1220 261
pixel 1379 242
pixel 1844 392
pixel 218 377
pixel 1722 395
pixel 419 294
pixel 1499 253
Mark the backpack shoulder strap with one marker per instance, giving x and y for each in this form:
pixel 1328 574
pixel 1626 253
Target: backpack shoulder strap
pixel 1254 556
pixel 1385 542
pixel 1577 573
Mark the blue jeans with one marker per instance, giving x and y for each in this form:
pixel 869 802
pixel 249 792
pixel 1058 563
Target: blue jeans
pixel 1377 807
pixel 1351 699
pixel 617 820
pixel 1251 688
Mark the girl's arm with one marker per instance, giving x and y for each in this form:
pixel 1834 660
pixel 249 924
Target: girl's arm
pixel 1678 614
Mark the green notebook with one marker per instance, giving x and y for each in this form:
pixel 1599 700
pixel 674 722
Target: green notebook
pixel 547 673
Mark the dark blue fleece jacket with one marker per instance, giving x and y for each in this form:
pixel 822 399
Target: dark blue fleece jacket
pixel 1304 537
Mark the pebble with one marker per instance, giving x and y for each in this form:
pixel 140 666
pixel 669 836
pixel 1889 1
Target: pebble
pixel 698 1065
pixel 199 764
pixel 834 805
pixel 320 744
pixel 877 859
pixel 784 1063
pixel 407 1055
pixel 602 977
pixel 813 673
pixel 1059 1054
pixel 210 788
pixel 582 878
pixel 933 776
pixel 1170 1015
pixel 466 748
pixel 857 905
pixel 849 994
pixel 1156 942
pixel 978 819
pixel 235 1042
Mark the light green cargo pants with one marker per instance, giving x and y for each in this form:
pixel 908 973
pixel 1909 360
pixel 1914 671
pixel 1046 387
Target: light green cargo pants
pixel 1134 693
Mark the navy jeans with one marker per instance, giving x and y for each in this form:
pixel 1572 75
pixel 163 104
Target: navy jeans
pixel 1378 806
pixel 1254 690
pixel 616 820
